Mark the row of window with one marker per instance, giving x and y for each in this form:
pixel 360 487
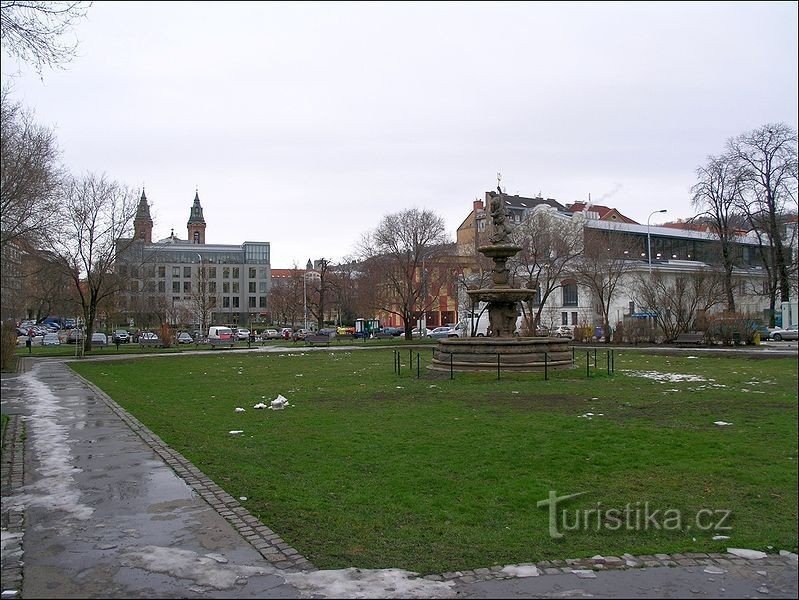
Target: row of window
pixel 228 287
pixel 209 272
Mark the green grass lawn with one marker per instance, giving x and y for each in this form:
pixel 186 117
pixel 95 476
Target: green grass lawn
pixel 373 470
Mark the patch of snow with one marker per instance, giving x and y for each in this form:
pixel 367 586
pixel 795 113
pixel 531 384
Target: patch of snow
pixel 584 573
pixel 368 583
pixel 259 405
pixel 206 570
pixel 747 553
pixel 663 377
pixel 278 403
pixel 236 431
pixel 242 498
pixel 721 423
pixel 718 538
pixel 239 409
pixel 524 570
pixel 714 570
pixel 49 439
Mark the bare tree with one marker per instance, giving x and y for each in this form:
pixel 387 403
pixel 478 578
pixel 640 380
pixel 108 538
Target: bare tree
pixel 716 195
pixel 769 167
pixel 320 291
pixel 550 244
pixel 285 298
pixel 204 297
pixel 30 175
pixel 677 302
pixel 399 256
pixel 96 214
pixel 34 31
pixel 603 266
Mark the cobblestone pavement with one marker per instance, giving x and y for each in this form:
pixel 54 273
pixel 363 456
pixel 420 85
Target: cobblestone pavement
pixel 98 506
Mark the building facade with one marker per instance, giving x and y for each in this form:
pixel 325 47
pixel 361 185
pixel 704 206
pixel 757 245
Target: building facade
pixel 188 282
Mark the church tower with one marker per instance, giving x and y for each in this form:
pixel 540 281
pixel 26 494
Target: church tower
pixel 196 222
pixel 142 222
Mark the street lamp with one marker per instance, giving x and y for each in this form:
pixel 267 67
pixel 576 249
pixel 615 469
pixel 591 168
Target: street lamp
pixel 305 300
pixel 649 239
pixel 200 295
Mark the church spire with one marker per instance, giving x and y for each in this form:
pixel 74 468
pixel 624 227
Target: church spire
pixel 196 224
pixel 142 222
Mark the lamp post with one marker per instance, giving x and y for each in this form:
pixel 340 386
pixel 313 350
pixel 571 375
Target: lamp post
pixel 305 300
pixel 649 239
pixel 200 295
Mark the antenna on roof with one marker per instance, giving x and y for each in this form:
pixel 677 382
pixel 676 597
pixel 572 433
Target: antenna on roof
pixel 499 181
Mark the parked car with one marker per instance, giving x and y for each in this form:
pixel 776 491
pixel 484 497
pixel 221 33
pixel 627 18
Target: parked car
pixel 185 338
pixel 791 333
pixel 286 332
pixel 394 331
pixel 51 339
pixel 75 336
pixel 300 334
pixel 243 334
pixel 270 334
pixel 442 332
pixel 418 332
pixel 564 331
pixel 99 339
pixel 121 336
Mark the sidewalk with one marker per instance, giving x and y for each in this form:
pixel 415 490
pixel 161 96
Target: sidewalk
pixel 108 510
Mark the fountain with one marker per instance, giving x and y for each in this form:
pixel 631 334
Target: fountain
pixel 512 353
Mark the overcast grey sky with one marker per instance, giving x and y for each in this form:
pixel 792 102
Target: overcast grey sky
pixel 302 124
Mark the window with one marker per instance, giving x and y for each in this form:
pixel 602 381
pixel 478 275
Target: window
pixel 162 272
pixel 196 237
pixel 251 301
pixel 569 294
pixel 187 287
pixel 262 287
pixel 252 287
pixel 134 272
pixel 252 272
pixel 225 272
pixel 186 271
pixel 175 287
pixel 134 286
pixel 235 287
pixel 162 286
pixel 564 318
pixel 175 271
pixel 261 301
pixel 226 302
pixel 212 272
pixel 574 319
pixel 235 272
pixel 211 287
pixel 225 287
pixel 235 301
pixel 262 273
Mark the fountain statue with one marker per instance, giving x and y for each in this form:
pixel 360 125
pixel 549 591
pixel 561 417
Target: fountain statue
pixel 513 353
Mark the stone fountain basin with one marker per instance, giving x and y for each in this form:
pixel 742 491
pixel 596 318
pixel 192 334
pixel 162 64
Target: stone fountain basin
pixel 515 354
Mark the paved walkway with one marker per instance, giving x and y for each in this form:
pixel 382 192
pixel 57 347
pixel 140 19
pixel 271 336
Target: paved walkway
pixel 97 506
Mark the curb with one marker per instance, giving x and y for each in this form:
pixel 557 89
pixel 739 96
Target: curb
pixel 12 477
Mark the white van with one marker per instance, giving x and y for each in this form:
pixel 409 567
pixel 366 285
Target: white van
pixel 221 336
pixel 464 326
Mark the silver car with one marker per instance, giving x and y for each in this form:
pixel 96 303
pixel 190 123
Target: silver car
pixel 791 333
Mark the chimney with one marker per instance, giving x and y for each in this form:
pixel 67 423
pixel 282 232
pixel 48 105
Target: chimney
pixel 477 206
